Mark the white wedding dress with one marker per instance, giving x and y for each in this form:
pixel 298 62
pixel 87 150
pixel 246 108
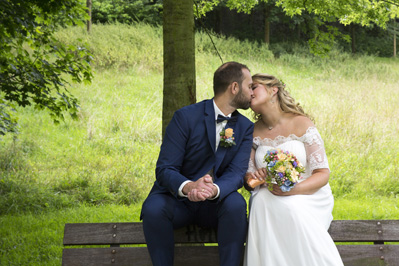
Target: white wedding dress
pixel 291 230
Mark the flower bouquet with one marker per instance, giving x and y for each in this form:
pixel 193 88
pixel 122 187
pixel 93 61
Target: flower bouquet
pixel 283 169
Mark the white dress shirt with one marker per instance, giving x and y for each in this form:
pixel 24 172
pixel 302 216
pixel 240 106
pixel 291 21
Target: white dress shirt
pixel 219 128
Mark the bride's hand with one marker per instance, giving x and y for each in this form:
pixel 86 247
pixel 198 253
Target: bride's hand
pixel 260 174
pixel 255 179
pixel 276 190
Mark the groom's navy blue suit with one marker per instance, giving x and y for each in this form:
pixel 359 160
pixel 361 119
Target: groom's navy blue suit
pixel 188 153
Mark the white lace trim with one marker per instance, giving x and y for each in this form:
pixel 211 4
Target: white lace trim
pixel 314 145
pixel 311 136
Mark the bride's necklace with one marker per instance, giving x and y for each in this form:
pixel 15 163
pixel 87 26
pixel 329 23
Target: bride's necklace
pixel 270 127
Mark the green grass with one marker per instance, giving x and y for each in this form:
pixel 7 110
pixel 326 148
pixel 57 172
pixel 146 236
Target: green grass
pixel 101 167
pixel 366 208
pixel 36 239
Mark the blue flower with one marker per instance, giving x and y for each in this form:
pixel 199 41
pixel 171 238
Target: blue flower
pixel 294 164
pixel 272 163
pixel 281 175
pixel 287 182
pixel 285 188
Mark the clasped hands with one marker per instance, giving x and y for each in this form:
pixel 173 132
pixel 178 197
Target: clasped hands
pixel 200 190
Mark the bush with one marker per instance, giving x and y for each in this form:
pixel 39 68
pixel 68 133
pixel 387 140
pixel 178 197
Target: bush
pixel 230 46
pixel 108 11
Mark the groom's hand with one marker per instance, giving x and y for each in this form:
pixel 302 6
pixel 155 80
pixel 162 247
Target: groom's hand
pixel 209 180
pixel 200 190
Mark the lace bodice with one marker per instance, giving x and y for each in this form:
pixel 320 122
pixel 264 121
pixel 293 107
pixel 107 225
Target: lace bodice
pixel 309 150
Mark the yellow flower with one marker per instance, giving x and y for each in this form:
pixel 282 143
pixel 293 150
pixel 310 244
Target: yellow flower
pixel 281 156
pixel 294 175
pixel 228 132
pixel 281 169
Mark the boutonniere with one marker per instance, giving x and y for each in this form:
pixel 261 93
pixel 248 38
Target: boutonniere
pixel 226 138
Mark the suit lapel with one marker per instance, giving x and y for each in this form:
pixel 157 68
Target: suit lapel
pixel 210 123
pixel 221 152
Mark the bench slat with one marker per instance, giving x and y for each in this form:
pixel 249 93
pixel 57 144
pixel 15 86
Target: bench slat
pixel 132 233
pixel 369 255
pixel 128 233
pixel 103 233
pixel 352 255
pixel 138 256
pixel 365 230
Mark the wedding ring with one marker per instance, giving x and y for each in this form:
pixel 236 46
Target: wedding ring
pixel 203 190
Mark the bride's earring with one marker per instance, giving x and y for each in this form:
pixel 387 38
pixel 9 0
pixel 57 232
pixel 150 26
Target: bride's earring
pixel 272 101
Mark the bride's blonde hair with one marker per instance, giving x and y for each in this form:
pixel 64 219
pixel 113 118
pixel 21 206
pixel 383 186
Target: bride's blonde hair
pixel 286 102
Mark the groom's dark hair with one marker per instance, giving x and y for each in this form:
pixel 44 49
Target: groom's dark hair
pixel 226 74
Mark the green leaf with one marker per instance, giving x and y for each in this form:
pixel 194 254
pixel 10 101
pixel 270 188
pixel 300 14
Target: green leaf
pixel 35 66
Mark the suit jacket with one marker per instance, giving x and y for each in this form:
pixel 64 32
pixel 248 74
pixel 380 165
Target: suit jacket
pixel 188 151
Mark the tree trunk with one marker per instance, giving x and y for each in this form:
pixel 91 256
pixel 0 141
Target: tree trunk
pixel 218 21
pixel 267 23
pixel 267 31
pixel 88 5
pixel 298 32
pixel 178 57
pixel 394 38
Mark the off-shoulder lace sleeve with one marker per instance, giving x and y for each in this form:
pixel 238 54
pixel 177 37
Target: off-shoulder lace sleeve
pixel 315 152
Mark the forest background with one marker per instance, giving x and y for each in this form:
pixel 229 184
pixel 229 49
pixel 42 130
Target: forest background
pixel 100 167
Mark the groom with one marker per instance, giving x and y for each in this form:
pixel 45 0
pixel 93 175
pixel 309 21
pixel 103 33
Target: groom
pixel 200 169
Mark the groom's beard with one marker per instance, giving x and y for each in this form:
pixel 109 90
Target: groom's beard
pixel 240 102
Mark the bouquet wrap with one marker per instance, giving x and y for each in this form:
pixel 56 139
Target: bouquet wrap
pixel 252 182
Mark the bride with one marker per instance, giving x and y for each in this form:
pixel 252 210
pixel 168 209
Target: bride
pixel 288 228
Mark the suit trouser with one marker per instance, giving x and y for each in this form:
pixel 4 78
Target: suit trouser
pixel 162 213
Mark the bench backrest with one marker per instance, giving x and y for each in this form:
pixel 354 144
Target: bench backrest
pixel 116 234
pixel 128 233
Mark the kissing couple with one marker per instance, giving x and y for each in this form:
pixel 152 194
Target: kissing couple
pixel 210 150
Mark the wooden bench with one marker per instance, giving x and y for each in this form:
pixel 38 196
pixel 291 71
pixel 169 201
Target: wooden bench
pixel 126 244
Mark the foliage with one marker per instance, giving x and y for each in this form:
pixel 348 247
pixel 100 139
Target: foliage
pixel 353 11
pixel 374 41
pixel 201 7
pixel 232 47
pixel 33 62
pixel 106 11
pixel 323 40
pixel 7 122
pixel 366 13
